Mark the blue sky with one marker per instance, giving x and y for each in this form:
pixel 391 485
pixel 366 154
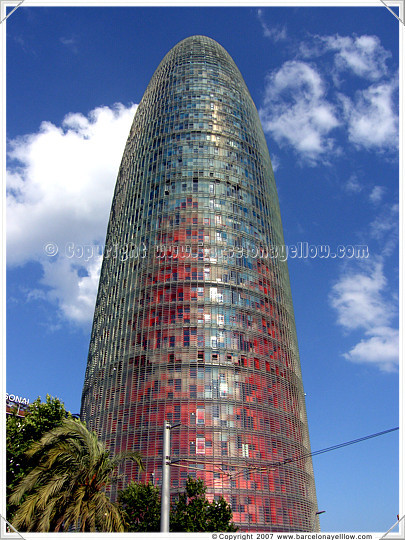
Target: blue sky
pixel 325 82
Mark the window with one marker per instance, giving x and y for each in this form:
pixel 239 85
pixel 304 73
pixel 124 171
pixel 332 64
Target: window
pixel 200 318
pixel 200 416
pixel 200 445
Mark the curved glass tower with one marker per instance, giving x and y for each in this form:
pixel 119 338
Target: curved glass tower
pixel 194 321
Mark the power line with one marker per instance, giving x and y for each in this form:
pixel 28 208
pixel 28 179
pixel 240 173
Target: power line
pixel 288 460
pixel 354 441
pixel 330 448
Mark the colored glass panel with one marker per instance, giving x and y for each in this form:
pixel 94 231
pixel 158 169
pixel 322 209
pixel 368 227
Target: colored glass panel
pixel 194 321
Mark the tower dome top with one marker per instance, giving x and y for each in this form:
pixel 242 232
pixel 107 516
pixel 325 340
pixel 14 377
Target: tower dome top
pixel 200 41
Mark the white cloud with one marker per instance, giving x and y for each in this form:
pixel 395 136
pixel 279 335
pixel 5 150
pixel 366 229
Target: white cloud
pixel 275 162
pixel 377 194
pixel 296 110
pixel 353 185
pixel 299 110
pixel 358 301
pixel 381 349
pixel 275 33
pixel 361 303
pixel 73 292
pixel 385 223
pixel 363 55
pixel 385 229
pixel 372 118
pixel 59 189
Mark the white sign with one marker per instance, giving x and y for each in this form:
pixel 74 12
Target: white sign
pixel 17 399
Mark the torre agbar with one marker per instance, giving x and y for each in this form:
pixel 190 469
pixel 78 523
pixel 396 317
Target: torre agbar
pixel 194 323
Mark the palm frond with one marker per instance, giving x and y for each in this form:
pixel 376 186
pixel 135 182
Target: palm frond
pixel 65 488
pixel 131 455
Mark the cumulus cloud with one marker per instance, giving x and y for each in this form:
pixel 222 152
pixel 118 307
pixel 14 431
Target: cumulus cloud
pixel 73 287
pixel 275 33
pixel 361 303
pixel 296 111
pixel 363 55
pixel 301 111
pixel 60 185
pixel 358 300
pixel 372 117
pixel 381 349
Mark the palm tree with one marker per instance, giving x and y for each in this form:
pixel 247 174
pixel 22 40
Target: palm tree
pixel 66 488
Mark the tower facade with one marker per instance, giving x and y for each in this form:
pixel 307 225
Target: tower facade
pixel 194 321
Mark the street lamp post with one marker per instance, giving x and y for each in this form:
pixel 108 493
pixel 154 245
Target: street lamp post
pixel 165 502
pixel 165 498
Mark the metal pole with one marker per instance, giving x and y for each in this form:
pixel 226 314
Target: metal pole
pixel 165 505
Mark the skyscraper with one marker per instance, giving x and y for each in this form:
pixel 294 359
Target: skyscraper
pixel 194 321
